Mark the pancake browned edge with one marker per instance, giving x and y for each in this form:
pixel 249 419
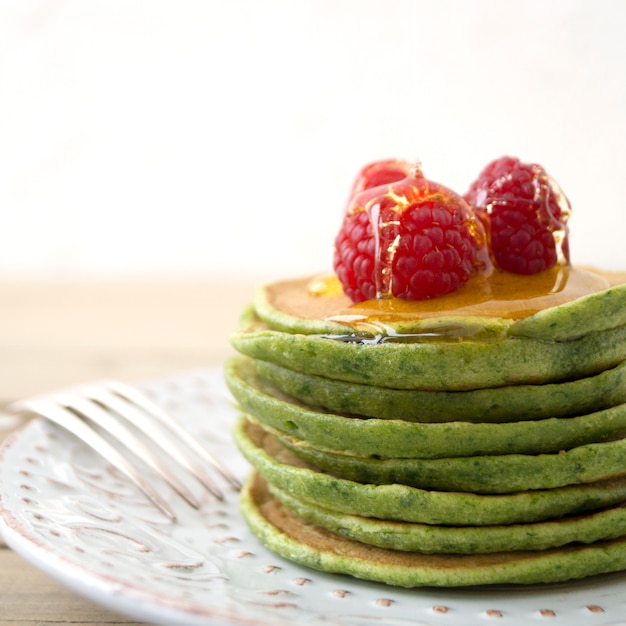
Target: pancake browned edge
pixel 306 544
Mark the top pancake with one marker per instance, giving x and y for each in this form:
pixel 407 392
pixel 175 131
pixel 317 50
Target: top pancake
pixel 547 306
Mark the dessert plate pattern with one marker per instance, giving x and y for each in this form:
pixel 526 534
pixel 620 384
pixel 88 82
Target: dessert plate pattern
pixel 73 516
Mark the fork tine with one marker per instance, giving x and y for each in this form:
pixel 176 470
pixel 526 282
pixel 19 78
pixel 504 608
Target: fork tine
pixel 132 395
pixel 107 421
pixel 129 411
pixel 107 405
pixel 72 423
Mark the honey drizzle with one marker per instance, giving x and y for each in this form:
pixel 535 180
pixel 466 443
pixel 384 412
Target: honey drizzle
pixel 497 295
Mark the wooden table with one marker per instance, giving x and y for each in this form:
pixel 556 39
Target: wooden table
pixel 63 333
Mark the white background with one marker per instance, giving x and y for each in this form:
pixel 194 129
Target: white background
pixel 181 138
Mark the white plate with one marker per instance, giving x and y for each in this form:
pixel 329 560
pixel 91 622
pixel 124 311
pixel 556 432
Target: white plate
pixel 71 515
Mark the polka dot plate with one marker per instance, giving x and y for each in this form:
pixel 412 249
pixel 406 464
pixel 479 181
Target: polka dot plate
pixel 72 515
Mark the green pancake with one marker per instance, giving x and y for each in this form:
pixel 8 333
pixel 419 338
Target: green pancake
pixel 492 474
pixel 456 365
pixel 320 549
pixel 432 539
pixel 499 404
pixel 398 502
pixel 590 313
pixel 264 403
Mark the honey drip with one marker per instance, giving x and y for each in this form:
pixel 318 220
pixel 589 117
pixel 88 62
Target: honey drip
pixel 560 232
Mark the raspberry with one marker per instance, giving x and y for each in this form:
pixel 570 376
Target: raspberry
pixel 413 239
pixel 380 173
pixel 525 215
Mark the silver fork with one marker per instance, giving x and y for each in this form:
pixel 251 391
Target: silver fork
pixel 111 406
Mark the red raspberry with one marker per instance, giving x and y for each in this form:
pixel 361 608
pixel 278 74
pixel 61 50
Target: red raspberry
pixel 380 173
pixel 413 239
pixel 525 215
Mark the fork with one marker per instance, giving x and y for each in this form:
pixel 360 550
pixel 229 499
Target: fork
pixel 112 406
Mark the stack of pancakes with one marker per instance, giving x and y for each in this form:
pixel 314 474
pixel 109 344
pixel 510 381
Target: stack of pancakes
pixel 459 448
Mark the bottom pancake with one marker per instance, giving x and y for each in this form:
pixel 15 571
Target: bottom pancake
pixel 284 533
